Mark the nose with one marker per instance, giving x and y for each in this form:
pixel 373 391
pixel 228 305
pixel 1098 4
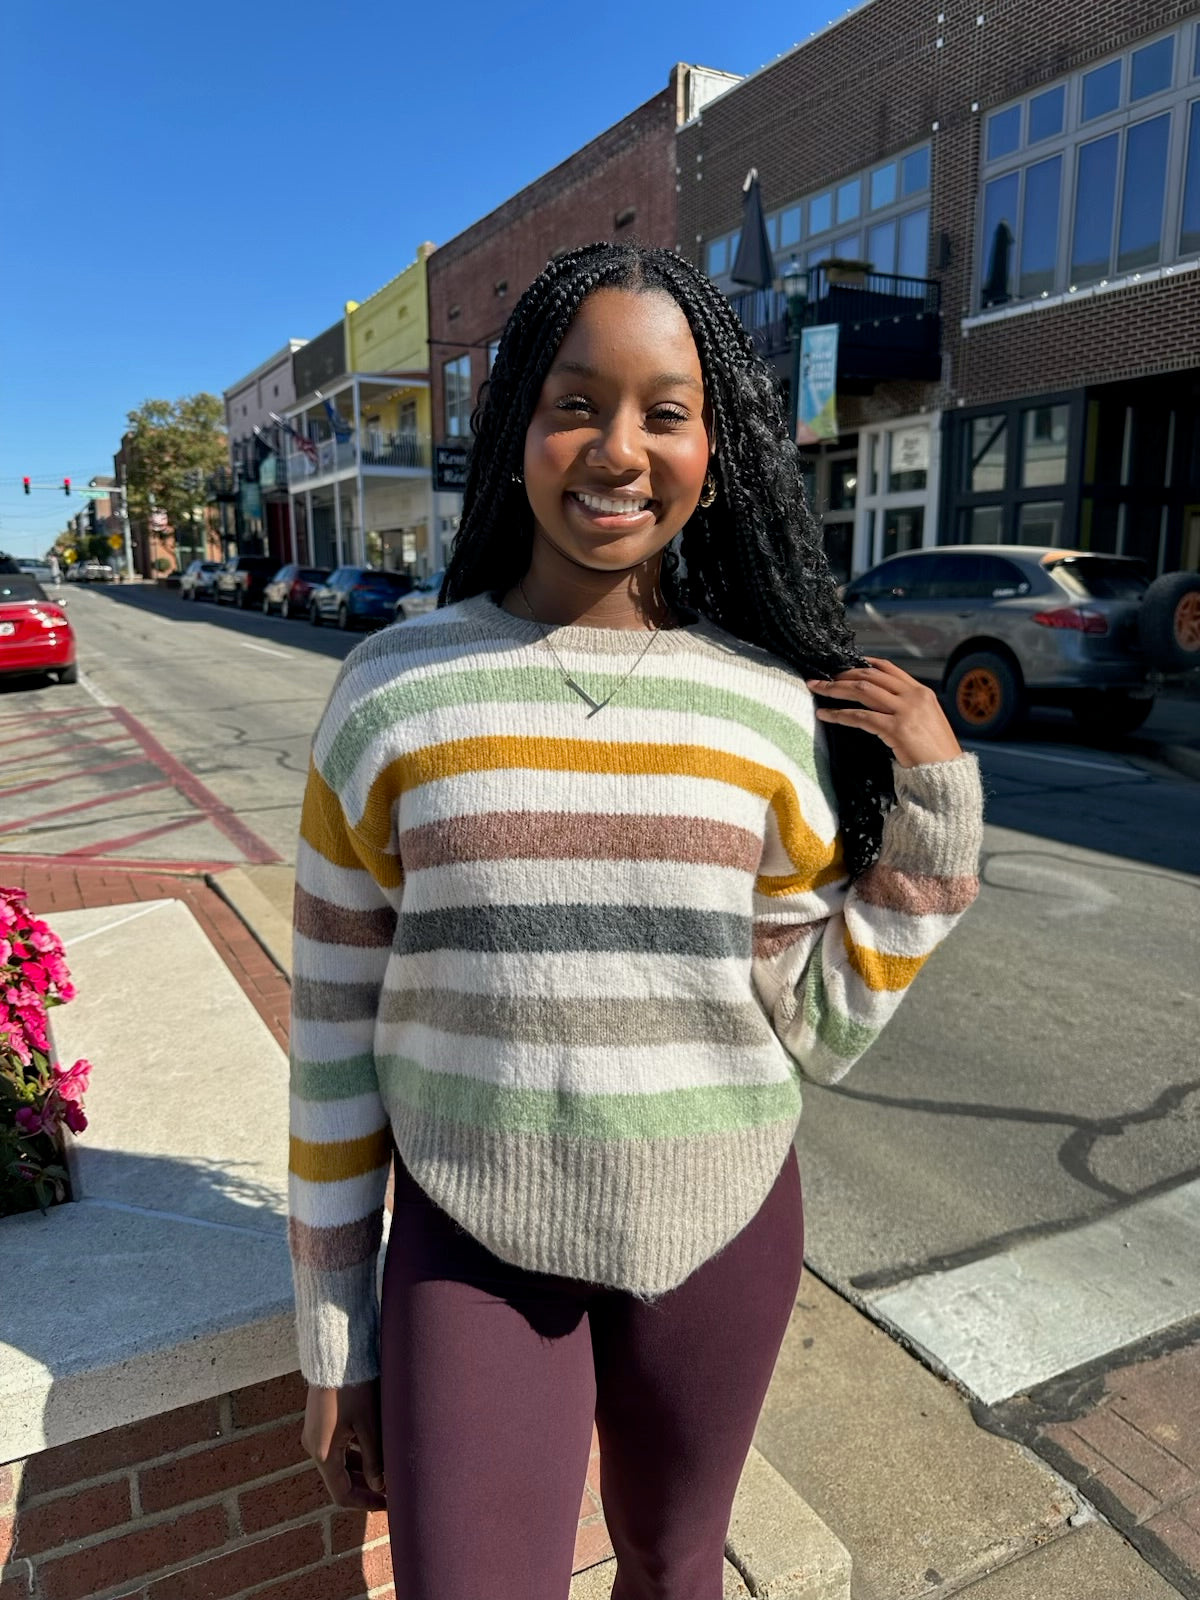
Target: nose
pixel 620 445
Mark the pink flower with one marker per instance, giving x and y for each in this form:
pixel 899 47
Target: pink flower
pixel 36 976
pixel 6 951
pixel 43 939
pixel 72 1082
pixel 56 967
pixel 74 1117
pixel 29 1121
pixel 66 990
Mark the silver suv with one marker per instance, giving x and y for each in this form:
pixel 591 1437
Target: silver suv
pixel 997 627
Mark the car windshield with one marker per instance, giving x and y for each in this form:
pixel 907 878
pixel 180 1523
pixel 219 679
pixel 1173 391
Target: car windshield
pixel 1101 577
pixel 20 587
pixel 312 574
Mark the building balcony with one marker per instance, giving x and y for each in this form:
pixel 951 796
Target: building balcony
pixel 889 326
pixel 222 484
pixel 399 454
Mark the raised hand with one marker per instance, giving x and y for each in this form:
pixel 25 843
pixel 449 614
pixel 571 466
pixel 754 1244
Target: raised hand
pixel 893 705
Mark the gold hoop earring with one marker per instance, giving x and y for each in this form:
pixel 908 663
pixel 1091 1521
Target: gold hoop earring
pixel 709 492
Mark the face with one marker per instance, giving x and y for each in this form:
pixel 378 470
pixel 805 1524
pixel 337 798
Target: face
pixel 618 447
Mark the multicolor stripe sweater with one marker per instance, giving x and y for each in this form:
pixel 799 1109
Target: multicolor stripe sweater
pixel 574 964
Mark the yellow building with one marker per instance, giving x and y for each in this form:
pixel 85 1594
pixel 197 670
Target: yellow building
pixel 358 464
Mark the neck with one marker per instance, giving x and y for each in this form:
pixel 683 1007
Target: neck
pixel 560 592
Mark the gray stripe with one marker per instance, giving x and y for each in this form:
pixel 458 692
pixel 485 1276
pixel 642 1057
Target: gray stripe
pixel 579 1022
pixel 653 930
pixel 314 1000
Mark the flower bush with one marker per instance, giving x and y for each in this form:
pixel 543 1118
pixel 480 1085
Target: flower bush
pixel 38 1097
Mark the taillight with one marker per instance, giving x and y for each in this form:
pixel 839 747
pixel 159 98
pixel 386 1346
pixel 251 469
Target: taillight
pixel 1073 617
pixel 360 588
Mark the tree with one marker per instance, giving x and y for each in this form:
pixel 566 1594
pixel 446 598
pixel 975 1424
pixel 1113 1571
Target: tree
pixel 172 447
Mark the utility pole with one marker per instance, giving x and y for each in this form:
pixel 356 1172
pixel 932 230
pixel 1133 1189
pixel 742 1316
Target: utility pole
pixel 96 491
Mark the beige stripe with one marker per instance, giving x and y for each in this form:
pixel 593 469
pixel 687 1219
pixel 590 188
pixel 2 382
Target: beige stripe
pixel 582 835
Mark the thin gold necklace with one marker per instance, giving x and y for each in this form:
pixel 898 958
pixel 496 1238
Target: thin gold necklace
pixel 573 683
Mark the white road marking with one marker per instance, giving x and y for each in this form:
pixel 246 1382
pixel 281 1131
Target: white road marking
pixel 1019 1318
pixel 94 689
pixel 1066 761
pixel 265 650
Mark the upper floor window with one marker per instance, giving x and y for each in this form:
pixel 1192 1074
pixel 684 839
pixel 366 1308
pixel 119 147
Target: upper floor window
pixel 456 378
pixel 880 215
pixel 1095 177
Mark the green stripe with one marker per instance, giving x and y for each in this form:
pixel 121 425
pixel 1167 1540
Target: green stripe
pixel 673 1114
pixel 839 1034
pixel 333 1080
pixel 403 698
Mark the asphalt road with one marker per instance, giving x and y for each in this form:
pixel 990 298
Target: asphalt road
pixel 1043 1070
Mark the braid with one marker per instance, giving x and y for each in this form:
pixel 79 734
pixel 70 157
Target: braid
pixel 753 562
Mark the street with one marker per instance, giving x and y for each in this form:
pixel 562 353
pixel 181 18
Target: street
pixel 1041 1077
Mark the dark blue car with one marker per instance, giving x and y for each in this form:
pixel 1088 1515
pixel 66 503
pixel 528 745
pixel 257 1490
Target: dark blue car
pixel 358 597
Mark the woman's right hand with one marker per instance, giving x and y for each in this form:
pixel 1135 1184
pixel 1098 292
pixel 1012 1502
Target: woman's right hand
pixel 343 1435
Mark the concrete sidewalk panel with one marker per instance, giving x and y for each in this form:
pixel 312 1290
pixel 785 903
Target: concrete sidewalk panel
pixel 778 1543
pixel 596 1583
pixel 888 1455
pixel 1092 1563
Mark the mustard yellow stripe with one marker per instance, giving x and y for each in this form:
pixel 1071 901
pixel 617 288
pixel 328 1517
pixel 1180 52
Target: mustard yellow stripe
pixel 323 825
pixel 348 1158
pixel 879 971
pixel 816 860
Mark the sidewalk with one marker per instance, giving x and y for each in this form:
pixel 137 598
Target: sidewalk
pixel 927 1501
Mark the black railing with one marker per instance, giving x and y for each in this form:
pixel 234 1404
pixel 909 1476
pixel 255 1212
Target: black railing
pixel 889 326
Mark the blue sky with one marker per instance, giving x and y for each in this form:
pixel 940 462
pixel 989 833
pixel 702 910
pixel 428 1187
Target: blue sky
pixel 187 187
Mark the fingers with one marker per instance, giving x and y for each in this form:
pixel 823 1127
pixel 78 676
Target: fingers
pixel 342 1435
pixel 370 1446
pixel 877 722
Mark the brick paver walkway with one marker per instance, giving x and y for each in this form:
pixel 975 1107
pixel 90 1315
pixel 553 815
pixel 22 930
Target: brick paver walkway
pixel 68 887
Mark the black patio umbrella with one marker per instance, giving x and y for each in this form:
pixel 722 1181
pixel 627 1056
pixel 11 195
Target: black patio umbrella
pixel 753 265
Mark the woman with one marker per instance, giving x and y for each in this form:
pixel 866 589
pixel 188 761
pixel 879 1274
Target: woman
pixel 578 899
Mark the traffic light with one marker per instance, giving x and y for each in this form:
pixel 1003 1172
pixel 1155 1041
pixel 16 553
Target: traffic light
pixel 25 481
pixel 67 487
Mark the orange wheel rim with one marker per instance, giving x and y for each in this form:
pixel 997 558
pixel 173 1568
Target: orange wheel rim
pixel 1187 622
pixel 978 697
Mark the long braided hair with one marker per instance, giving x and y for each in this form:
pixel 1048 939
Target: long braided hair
pixel 752 562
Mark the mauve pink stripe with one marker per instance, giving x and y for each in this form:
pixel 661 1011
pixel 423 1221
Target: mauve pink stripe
pixel 330 1249
pixel 570 835
pixel 918 894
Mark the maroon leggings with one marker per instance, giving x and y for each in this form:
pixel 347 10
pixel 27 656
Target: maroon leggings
pixel 492 1377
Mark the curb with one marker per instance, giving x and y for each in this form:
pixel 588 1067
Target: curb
pixel 252 907
pixel 777 1549
pixel 1183 758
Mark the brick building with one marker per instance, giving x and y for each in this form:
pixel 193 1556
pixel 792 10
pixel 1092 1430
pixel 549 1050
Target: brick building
pixel 1014 190
pixel 621 185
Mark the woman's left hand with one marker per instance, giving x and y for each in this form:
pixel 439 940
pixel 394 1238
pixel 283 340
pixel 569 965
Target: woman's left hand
pixel 902 712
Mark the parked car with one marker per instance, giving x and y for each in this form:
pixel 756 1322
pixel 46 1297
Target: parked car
pixel 995 628
pixel 198 579
pixel 242 580
pixel 355 597
pixel 96 572
pixel 290 590
pixel 33 567
pixel 35 635
pixel 422 597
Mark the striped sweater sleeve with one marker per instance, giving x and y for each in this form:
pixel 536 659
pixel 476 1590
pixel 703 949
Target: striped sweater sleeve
pixel 833 959
pixel 347 896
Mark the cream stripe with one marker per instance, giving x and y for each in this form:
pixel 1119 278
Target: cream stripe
pixel 329 1205
pixel 331 1121
pixel 336 963
pixel 604 1070
pixel 895 932
pixel 331 1041
pixel 658 883
pixel 344 886
pixel 633 975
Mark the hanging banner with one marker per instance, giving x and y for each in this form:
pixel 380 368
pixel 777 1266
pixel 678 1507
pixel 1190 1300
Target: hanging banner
pixel 816 416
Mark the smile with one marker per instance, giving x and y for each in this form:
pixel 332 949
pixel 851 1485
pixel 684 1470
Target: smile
pixel 611 505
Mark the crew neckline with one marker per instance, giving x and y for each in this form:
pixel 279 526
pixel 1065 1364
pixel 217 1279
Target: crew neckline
pixel 488 610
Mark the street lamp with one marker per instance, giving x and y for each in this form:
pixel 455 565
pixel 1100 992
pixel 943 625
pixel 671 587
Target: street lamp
pixel 794 283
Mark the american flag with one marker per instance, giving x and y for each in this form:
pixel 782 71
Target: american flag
pixel 303 443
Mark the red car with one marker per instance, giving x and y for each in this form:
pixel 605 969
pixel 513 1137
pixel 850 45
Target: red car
pixel 35 635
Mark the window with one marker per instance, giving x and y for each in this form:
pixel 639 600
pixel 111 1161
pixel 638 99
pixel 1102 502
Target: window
pixel 457 378
pixel 1003 133
pixel 849 247
pixel 1101 91
pixel 913 258
pixel 1088 181
pixel 493 351
pixel 1152 68
pixel 881 247
pixel 988 440
pixel 1044 446
pixel 820 213
pixel 1095 205
pixel 790 226
pixel 906 578
pixel 1189 238
pixel 849 200
pixel 975 577
pixel 982 525
pixel 1046 114
pixel 1040 522
pixel 883 186
pixel 914 171
pixel 1143 191
pixel 718 257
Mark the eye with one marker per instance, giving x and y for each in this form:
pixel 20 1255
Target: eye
pixel 668 414
pixel 573 402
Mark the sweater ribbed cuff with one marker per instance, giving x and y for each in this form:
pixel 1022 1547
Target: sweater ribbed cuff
pixel 337 1324
pixel 936 825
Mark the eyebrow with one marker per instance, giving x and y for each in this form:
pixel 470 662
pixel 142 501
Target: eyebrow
pixel 663 380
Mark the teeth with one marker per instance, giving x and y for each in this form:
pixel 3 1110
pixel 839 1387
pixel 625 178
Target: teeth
pixel 609 507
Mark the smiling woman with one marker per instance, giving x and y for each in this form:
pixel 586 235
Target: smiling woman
pixel 583 889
